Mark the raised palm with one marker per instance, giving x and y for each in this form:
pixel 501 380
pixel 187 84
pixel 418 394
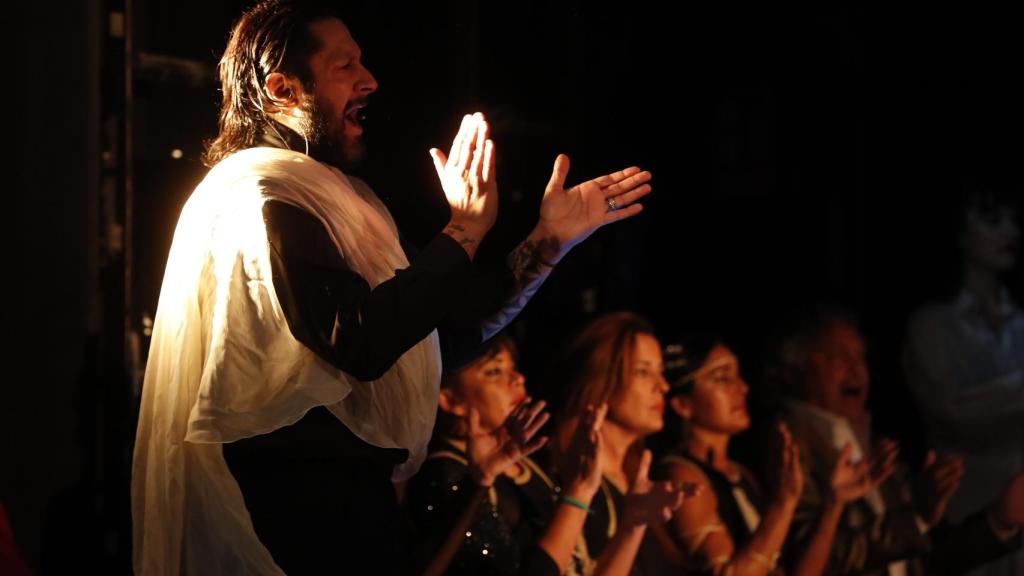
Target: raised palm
pixel 582 460
pixel 851 481
pixel 572 214
pixel 791 477
pixel 650 502
pixel 467 173
pixel 491 453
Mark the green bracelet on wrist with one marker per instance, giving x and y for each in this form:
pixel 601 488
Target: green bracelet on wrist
pixel 577 503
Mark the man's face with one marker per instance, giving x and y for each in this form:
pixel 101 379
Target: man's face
pixel 837 372
pixel 991 237
pixel 341 86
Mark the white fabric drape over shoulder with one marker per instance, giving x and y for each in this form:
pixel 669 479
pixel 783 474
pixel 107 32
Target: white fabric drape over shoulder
pixel 223 364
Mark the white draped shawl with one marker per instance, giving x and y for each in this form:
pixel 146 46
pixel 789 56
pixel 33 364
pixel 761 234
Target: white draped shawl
pixel 223 364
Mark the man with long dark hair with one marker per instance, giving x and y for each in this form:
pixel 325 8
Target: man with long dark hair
pixel 294 366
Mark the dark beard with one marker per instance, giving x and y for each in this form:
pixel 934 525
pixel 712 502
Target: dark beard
pixel 339 151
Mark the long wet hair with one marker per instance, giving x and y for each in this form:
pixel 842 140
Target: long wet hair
pixel 272 36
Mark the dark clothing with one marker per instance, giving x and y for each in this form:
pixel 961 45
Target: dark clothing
pixel 299 480
pixel 315 486
pixel 601 526
pixel 960 548
pixel 501 541
pixel 866 540
pixel 725 490
pixel 602 523
pixel 333 311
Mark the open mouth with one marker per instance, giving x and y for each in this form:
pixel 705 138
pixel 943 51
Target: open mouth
pixel 852 391
pixel 355 115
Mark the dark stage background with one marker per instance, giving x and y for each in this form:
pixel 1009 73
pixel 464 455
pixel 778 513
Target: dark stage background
pixel 799 155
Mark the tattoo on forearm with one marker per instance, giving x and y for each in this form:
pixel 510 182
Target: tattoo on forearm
pixel 528 258
pixel 459 234
pixel 529 265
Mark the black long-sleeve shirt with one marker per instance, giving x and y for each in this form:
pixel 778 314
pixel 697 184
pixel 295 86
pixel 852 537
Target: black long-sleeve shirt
pixel 502 539
pixel 333 311
pixel 320 498
pixel 441 289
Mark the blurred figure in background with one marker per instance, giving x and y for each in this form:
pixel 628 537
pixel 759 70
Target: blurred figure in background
pixel 896 528
pixel 964 359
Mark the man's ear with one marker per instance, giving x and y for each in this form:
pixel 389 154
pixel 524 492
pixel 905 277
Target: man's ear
pixel 284 92
pixel 449 402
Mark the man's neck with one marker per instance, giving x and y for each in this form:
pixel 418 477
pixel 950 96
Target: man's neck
pixel 277 135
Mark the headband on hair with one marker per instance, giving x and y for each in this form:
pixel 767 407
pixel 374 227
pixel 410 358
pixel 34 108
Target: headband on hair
pixel 692 376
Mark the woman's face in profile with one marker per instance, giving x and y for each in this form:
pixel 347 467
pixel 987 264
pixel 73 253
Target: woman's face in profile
pixel 493 386
pixel 991 237
pixel 719 399
pixel 640 405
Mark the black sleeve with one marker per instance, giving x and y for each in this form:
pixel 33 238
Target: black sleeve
pixel 461 331
pixel 332 310
pixel 437 496
pixel 537 561
pixel 958 549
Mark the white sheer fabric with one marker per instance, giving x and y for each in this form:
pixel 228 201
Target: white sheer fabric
pixel 223 364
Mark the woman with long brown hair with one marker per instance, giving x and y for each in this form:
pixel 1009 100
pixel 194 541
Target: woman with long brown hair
pixel 616 361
